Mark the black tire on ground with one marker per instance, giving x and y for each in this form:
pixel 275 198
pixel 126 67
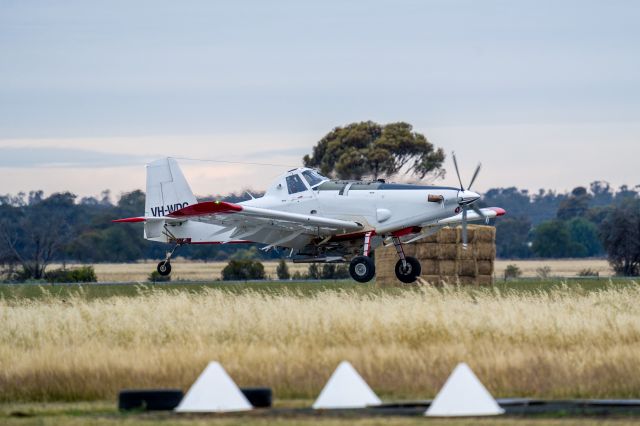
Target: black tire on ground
pixel 411 272
pixel 149 399
pixel 164 268
pixel 258 397
pixel 362 269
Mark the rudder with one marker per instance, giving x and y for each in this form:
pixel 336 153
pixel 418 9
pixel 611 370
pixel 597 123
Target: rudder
pixel 167 189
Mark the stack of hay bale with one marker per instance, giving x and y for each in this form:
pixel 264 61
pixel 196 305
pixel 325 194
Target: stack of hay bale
pixel 443 259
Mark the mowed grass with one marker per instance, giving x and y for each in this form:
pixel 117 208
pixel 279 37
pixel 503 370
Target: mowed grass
pixel 185 270
pixel 104 413
pixel 541 339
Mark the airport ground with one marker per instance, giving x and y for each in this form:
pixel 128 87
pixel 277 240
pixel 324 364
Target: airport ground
pixel 203 271
pixel 103 413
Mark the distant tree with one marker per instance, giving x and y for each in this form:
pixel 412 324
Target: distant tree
pixel 544 206
pixel 512 237
pixel 282 270
pixel 33 235
pixel 331 271
pixel 598 213
pixel 620 236
pixel 551 239
pixel 370 149
pixel 584 238
pixel 625 193
pixel 601 193
pixel 314 272
pixel 576 205
pixel 238 269
pixel 512 271
pixel 512 199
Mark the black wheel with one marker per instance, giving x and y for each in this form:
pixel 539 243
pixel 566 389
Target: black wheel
pixel 149 399
pixel 362 269
pixel 409 273
pixel 258 397
pixel 164 268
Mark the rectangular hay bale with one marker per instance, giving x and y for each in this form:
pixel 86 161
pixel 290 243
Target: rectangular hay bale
pixel 467 268
pixel 485 267
pixel 485 251
pixel 448 235
pixel 465 254
pixel 448 267
pixel 430 267
pixel 485 280
pixel 447 251
pixel 433 238
pixel 427 251
pixel 485 234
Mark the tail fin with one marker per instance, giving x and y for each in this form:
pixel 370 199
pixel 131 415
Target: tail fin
pixel 167 189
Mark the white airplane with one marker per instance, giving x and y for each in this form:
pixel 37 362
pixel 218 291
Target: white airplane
pixel 319 219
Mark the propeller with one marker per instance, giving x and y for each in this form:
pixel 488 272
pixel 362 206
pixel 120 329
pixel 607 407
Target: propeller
pixel 466 203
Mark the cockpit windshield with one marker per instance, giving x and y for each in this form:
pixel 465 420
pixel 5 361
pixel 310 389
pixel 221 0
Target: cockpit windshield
pixel 314 178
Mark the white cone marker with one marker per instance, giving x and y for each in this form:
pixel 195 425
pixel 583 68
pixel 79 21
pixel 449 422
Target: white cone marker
pixel 213 392
pixel 463 395
pixel 346 389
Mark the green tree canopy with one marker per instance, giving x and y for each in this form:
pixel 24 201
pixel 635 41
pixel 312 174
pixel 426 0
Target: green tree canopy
pixel 620 236
pixel 370 149
pixel 551 239
pixel 585 234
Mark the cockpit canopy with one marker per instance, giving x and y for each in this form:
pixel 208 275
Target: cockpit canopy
pixel 295 183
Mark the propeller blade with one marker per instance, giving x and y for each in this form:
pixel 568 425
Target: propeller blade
pixel 477 210
pixel 455 163
pixel 475 175
pixel 464 227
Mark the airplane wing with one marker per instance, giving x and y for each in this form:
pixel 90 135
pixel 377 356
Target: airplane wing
pixel 433 227
pixel 489 212
pixel 232 215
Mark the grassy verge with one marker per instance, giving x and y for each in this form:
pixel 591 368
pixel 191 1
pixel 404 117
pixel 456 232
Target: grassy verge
pixel 104 413
pixel 305 288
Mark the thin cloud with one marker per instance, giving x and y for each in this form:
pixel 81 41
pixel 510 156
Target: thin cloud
pixel 38 157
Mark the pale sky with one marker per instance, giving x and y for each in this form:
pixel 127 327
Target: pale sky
pixel 546 94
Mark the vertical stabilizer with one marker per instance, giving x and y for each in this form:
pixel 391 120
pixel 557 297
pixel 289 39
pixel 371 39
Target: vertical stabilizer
pixel 167 189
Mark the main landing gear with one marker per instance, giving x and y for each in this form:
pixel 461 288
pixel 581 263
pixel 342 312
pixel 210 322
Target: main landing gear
pixel 164 267
pixel 407 268
pixel 362 268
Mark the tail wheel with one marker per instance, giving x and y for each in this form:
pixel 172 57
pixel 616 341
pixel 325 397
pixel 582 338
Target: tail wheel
pixel 362 269
pixel 164 268
pixel 409 273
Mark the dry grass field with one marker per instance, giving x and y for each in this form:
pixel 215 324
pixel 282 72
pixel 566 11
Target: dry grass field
pixel 205 271
pixel 561 343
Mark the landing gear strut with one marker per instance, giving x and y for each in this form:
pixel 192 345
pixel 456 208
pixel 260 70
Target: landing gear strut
pixel 407 268
pixel 362 268
pixel 164 267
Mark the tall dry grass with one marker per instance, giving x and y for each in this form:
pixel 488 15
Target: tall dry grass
pixel 564 343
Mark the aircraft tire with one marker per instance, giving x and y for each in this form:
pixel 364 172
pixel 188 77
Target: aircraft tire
pixel 164 268
pixel 362 269
pixel 149 399
pixel 411 273
pixel 258 397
